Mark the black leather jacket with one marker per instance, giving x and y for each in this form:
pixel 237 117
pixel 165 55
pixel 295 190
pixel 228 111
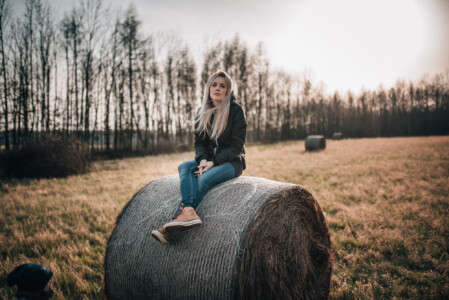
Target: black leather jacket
pixel 229 147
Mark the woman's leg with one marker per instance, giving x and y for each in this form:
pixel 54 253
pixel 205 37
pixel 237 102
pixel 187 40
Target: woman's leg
pixel 211 178
pixel 188 183
pixel 189 191
pixel 192 192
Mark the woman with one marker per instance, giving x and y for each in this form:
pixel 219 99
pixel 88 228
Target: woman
pixel 220 133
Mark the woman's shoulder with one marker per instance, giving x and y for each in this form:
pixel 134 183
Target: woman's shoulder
pixel 236 113
pixel 236 108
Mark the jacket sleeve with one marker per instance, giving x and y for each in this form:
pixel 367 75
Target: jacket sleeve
pixel 200 146
pixel 238 137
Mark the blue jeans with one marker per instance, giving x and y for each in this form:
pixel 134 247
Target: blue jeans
pixel 193 190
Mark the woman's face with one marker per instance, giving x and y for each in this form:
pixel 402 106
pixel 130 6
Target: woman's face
pixel 218 89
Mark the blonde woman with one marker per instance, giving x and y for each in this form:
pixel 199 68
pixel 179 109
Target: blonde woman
pixel 220 133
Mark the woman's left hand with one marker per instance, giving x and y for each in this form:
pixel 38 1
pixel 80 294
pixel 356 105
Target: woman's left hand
pixel 208 166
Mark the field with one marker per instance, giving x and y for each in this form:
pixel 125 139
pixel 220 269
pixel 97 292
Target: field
pixel 386 202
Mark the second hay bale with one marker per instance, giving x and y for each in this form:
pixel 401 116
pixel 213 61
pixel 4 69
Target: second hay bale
pixel 337 136
pixel 315 142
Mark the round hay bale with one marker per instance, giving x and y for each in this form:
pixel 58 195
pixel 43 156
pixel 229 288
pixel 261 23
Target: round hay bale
pixel 337 136
pixel 259 239
pixel 315 142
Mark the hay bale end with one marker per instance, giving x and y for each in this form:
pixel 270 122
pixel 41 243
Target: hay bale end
pixel 259 239
pixel 315 142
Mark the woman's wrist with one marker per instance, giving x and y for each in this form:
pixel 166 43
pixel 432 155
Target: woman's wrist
pixel 215 162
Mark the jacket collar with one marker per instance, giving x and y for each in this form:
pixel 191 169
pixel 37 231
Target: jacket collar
pixel 232 98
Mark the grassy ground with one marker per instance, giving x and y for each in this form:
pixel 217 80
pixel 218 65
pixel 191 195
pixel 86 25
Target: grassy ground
pixel 387 205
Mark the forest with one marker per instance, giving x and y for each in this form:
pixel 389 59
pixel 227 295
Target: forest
pixel 93 73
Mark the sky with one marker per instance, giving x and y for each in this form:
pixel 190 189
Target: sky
pixel 345 44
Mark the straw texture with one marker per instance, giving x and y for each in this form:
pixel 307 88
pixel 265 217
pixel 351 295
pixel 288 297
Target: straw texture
pixel 255 232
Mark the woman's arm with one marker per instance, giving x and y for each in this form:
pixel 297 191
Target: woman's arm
pixel 238 137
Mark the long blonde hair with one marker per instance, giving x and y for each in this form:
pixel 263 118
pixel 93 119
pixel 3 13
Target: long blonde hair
pixel 221 110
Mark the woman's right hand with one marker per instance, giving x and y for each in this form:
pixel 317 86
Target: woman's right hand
pixel 201 166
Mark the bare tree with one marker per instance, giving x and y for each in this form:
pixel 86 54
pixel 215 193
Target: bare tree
pixel 129 38
pixel 261 72
pixel 212 61
pixel 5 14
pixel 56 102
pixel 146 57
pixel 92 11
pixel 185 86
pixel 75 20
pixel 45 32
pixel 110 82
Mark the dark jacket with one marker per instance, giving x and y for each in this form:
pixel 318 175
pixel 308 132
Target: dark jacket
pixel 230 145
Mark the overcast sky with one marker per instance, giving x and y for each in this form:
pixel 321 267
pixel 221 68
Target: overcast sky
pixel 347 44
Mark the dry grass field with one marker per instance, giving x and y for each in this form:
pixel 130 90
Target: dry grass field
pixel 386 200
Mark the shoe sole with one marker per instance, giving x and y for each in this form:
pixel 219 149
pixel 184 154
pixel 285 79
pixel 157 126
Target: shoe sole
pixel 182 226
pixel 159 237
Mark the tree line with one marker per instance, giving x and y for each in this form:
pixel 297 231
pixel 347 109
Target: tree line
pixel 96 75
